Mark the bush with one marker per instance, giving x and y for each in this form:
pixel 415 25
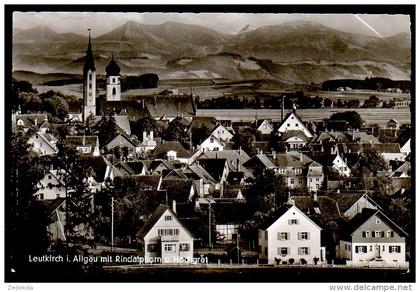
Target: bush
pixel 277 261
pixel 303 261
pixel 284 263
pixel 291 261
pixel 316 260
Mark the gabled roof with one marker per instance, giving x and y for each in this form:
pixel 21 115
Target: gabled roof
pixel 98 165
pixel 125 137
pixel 48 139
pixel 404 168
pixel 295 117
pixel 324 206
pixel 148 182
pixel 203 122
pixel 168 106
pixel 282 211
pixel 214 167
pixel 155 163
pixel 361 137
pixel 133 109
pixel 294 133
pixel 230 155
pixel 131 167
pixel 357 221
pixel 160 210
pixel 261 158
pixel 348 199
pixel 50 205
pixel 83 140
pixel 162 149
pixel 366 147
pixel 196 171
pixel 177 189
pixel 291 159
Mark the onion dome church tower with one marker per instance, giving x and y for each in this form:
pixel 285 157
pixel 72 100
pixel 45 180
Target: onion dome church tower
pixel 113 85
pixel 89 84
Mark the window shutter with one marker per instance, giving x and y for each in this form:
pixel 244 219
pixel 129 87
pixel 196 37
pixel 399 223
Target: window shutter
pixel 309 235
pixel 287 235
pixel 363 233
pixel 309 250
pixel 299 250
pixel 373 233
pixel 288 250
pixel 392 233
pixel 390 249
pixel 290 221
pixel 382 233
pixel 278 236
pixel 398 249
pixel 299 235
pixel 279 250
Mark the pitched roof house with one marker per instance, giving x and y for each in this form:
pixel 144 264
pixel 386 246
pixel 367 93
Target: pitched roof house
pixel 373 239
pixel 293 122
pixel 86 145
pixel 165 238
pixel 43 143
pixel 293 236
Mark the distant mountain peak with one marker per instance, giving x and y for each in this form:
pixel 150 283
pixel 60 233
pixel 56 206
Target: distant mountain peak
pixel 246 28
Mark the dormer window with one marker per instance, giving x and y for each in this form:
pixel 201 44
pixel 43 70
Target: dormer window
pixel 212 140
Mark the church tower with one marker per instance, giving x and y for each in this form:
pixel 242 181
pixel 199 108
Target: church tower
pixel 89 84
pixel 113 85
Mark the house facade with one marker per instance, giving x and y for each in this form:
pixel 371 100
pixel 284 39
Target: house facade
pixel 211 144
pixel 165 238
pixel 373 239
pixel 293 122
pixel 43 144
pixel 222 134
pixel 292 236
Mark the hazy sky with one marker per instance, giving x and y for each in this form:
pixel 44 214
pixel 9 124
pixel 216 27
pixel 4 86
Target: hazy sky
pixel 100 22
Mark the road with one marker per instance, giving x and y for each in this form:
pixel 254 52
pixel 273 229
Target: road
pixel 378 116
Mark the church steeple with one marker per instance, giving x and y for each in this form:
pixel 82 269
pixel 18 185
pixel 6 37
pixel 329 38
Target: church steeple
pixel 89 62
pixel 89 84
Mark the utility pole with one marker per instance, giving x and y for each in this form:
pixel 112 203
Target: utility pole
pixel 209 225
pixel 112 223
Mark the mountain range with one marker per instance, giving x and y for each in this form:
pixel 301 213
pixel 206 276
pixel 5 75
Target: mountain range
pixel 295 52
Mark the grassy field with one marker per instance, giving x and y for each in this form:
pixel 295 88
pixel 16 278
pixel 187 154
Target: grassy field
pixel 371 116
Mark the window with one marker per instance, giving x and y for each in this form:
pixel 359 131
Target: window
pixel 152 248
pixel 370 249
pixel 390 234
pixel 265 250
pixel 113 80
pixel 260 249
pixel 266 235
pixel 378 221
pixel 317 179
pixel 166 232
pixel 296 125
pixel 90 85
pixel 288 125
pixel 168 218
pixel 283 251
pixel 169 247
pixel 293 222
pixel 184 247
pixel 303 235
pixel 303 250
pixel 283 236
pixel 300 181
pixel 49 176
pixel 394 249
pixel 114 91
pixel 378 233
pixel 361 249
pixel 90 77
pixel 292 181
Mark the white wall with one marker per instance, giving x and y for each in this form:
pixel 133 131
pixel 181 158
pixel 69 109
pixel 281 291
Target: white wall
pixel 294 243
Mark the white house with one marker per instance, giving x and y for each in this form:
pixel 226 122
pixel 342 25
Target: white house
pixel 211 144
pixel 292 236
pixel 264 127
pixel 339 164
pixel 87 145
pixel 315 176
pixel 222 134
pixel 43 144
pixel 51 186
pixel 406 148
pixel 373 239
pixel 293 122
pixel 165 238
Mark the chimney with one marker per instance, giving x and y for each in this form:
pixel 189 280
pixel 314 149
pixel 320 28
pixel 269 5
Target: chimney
pixel 240 150
pixel 238 165
pixel 273 152
pixel 197 204
pixel 282 107
pixel 144 136
pixel 174 206
pixel 142 103
pixel 316 196
pixel 338 191
pixel 151 135
pixel 353 135
pixel 36 121
pixel 83 140
pixel 301 156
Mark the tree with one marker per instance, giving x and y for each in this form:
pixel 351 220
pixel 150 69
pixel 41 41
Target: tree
pixel 371 161
pixel 55 104
pixel 372 101
pixel 177 131
pixel 26 232
pixel 106 130
pixel 246 138
pixel 145 124
pixel 352 117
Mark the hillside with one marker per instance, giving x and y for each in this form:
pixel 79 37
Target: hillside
pixel 295 52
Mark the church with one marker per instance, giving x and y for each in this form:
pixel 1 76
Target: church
pixel 158 106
